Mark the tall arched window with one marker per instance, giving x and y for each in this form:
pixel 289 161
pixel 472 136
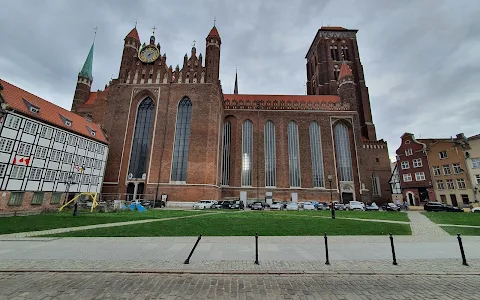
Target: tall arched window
pixel 375 185
pixel 182 140
pixel 293 154
pixel 270 154
pixel 317 157
pixel 227 137
pixel 141 139
pixel 247 151
pixel 342 149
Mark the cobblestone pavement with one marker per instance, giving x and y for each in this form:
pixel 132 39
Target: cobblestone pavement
pixel 422 225
pixel 16 286
pixel 441 267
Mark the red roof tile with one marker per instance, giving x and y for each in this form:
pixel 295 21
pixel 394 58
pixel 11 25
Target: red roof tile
pixel 49 112
pixel 91 99
pixel 213 32
pixel 96 95
pixel 133 34
pixel 298 98
pixel 344 71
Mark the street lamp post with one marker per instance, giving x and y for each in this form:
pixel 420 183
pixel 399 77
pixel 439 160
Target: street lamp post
pixel 330 177
pixel 69 181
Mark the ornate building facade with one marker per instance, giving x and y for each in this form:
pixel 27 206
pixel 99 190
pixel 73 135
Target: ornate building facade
pixel 173 131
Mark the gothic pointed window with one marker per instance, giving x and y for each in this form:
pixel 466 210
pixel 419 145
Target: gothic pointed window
pixel 293 154
pixel 317 157
pixel 375 185
pixel 247 153
pixel 270 154
pixel 227 137
pixel 336 71
pixel 343 152
pixel 141 139
pixel 182 140
pixel 345 53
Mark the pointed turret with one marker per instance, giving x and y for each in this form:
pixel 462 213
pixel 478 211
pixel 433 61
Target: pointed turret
pixel 235 89
pixel 130 49
pixel 344 71
pixel 84 81
pixel 346 86
pixel 212 55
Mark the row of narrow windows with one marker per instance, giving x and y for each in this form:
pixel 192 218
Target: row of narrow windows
pixel 342 146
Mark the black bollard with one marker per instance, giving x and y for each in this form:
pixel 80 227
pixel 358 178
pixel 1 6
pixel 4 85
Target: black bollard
pixel 187 261
pixel 464 260
pixel 75 209
pixel 256 248
pixel 327 262
pixel 393 250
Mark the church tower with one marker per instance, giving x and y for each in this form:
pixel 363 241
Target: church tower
pixel 130 50
pixel 212 56
pixel 346 86
pixel 84 81
pixel 332 47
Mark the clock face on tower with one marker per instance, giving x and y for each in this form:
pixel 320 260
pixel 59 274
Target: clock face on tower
pixel 148 54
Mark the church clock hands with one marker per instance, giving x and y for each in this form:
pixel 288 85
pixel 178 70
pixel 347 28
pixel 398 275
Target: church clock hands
pixel 148 53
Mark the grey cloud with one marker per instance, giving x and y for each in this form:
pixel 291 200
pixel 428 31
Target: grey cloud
pixel 419 57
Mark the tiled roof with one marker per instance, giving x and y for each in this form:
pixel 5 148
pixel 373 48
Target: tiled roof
pixel 133 34
pixel 474 137
pixel 213 32
pixel 49 112
pixel 344 71
pixel 96 95
pixel 298 98
pixel 333 28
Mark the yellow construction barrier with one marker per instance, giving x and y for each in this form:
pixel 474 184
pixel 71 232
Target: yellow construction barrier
pixel 94 200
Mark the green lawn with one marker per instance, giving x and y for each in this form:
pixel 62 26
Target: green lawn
pixel 65 219
pixel 246 224
pixel 379 215
pixel 462 230
pixel 454 218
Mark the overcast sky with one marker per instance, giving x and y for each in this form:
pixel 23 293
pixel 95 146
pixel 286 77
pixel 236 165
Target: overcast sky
pixel 420 57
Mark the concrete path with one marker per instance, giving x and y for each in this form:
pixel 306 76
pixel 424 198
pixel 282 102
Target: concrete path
pixel 422 226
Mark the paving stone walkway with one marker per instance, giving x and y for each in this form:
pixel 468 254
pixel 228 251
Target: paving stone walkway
pixel 19 286
pixel 422 226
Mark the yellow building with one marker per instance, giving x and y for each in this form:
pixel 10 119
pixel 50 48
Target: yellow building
pixel 472 158
pixel 446 158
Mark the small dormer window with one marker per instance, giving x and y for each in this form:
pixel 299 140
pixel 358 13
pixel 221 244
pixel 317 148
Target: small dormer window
pixel 34 109
pixel 66 121
pixel 92 132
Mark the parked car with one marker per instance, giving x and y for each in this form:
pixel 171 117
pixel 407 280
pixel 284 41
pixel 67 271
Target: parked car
pixel 323 206
pixel 475 210
pixel 204 204
pixel 372 206
pixel 292 206
pixel 277 205
pixel 308 206
pixel 355 205
pixel 257 206
pixel 434 206
pixel 451 208
pixel 217 205
pixel 391 207
pixel 237 205
pixel 284 204
pixel 339 206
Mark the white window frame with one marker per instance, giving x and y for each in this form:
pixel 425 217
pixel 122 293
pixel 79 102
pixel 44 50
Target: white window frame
pixel 450 184
pixel 6 145
pixel 436 171
pixel 407 177
pixel 447 167
pixel 35 174
pixel 408 152
pixel 477 177
pixel 420 176
pixel 50 175
pixel 476 163
pixel 18 172
pixel 41 152
pixel 60 136
pixel 30 127
pixel 12 122
pixel 417 163
pixel 440 185
pixel 405 164
pixel 24 149
pixel 46 132
pixel 461 184
pixel 3 169
pixel 443 154
pixel 457 169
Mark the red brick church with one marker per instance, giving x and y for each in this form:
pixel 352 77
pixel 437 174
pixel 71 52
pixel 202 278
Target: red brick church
pixel 173 131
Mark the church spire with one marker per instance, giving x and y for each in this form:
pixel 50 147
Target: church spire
pixel 235 89
pixel 86 71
